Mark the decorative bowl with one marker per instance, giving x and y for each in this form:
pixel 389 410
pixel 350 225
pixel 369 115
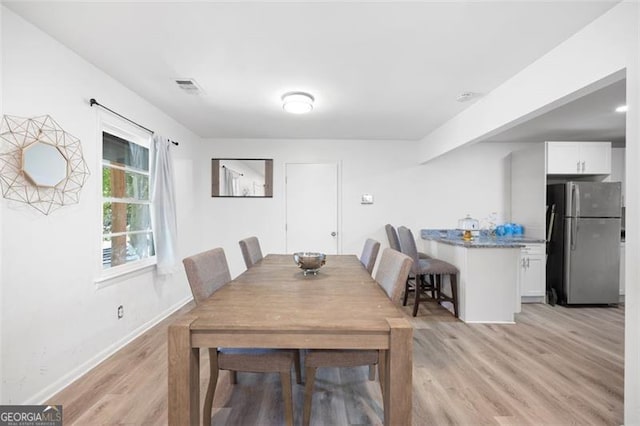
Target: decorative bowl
pixel 309 262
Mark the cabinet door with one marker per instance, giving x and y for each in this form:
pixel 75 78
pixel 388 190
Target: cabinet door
pixel 595 158
pixel 563 158
pixel 533 282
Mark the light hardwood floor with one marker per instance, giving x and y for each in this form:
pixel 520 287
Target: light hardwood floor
pixel 556 366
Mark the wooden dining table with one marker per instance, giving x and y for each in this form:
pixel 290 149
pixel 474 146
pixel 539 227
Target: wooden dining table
pixel 273 305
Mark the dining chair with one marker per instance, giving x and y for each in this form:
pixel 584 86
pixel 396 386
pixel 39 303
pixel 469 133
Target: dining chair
pixel 391 275
pixel 369 254
pixel 422 267
pixel 207 272
pixel 251 252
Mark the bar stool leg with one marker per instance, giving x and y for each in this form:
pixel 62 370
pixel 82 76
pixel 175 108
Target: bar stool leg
pixel 454 293
pixel 406 292
pixel 416 302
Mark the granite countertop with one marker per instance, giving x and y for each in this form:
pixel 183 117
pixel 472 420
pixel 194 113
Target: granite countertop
pixel 454 237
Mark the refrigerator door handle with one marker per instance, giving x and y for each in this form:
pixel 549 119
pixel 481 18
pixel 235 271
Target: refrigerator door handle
pixel 576 199
pixel 574 233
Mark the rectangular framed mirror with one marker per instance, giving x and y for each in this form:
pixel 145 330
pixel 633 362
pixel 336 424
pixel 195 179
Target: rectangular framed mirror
pixel 242 177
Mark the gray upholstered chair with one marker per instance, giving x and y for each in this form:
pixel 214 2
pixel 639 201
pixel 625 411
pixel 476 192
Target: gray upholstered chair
pixel 391 275
pixel 422 267
pixel 251 252
pixel 394 242
pixel 369 254
pixel 207 272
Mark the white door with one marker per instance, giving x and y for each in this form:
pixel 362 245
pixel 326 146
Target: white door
pixel 312 207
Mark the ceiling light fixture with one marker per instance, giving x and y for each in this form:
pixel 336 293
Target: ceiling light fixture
pixel 297 102
pixel 622 108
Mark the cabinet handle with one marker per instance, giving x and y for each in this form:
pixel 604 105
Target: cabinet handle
pixel 578 167
pixel 583 167
pixel 527 262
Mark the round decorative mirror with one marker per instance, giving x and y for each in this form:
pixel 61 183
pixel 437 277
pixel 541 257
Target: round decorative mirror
pixel 44 164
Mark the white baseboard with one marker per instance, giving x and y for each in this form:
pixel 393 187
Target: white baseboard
pixel 49 391
pixel 533 299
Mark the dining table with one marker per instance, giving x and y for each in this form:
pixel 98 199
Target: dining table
pixel 274 305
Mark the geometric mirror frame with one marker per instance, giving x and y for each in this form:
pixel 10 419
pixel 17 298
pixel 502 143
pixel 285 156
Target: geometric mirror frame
pixel 40 163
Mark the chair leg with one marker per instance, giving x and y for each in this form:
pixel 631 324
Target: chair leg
pixel 372 372
pixel 416 302
pixel 406 292
pixel 310 373
pixel 213 381
pixel 438 287
pixel 285 378
pixel 233 377
pixel 382 359
pixel 433 285
pixel 454 293
pixel 296 363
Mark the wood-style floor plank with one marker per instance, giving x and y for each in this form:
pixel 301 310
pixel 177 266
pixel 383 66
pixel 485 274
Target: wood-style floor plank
pixel 557 365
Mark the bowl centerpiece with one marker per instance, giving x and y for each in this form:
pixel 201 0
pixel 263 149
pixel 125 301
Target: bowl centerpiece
pixel 309 262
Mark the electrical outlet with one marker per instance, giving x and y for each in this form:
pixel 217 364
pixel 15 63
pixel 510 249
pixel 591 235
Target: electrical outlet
pixel 120 311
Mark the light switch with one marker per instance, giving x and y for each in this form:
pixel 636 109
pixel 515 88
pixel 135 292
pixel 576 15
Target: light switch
pixel 367 199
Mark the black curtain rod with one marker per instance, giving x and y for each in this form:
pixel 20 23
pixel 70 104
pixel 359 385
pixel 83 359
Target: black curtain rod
pixel 93 102
pixel 228 168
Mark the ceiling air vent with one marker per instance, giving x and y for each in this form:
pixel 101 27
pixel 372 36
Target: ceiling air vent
pixel 189 85
pixel 467 96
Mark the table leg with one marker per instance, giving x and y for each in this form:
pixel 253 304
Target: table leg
pixel 398 373
pixel 184 377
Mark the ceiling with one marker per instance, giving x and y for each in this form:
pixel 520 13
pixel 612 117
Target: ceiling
pixel 589 118
pixel 378 70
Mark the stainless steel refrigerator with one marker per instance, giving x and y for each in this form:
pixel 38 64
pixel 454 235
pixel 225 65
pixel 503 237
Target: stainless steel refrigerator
pixel 583 255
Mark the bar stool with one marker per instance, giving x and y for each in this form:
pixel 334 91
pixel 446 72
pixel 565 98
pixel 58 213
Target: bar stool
pixel 433 267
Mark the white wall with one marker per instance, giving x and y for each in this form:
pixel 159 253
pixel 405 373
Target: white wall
pixel 473 180
pixel 1 222
pixel 56 322
pixel 605 50
pixel 632 245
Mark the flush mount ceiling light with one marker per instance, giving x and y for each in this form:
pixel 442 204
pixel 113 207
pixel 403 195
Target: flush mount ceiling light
pixel 622 108
pixel 297 102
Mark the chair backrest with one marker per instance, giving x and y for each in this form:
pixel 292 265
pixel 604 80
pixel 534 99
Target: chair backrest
pixel 408 245
pixel 392 273
pixel 250 251
pixel 369 254
pixel 392 236
pixel 206 272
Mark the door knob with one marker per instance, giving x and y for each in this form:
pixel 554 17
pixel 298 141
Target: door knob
pixel 333 234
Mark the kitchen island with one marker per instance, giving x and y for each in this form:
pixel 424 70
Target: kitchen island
pixel 488 280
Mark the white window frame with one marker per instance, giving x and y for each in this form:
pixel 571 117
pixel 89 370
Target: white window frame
pixel 131 133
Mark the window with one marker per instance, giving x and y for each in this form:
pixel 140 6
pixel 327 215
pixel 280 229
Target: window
pixel 127 236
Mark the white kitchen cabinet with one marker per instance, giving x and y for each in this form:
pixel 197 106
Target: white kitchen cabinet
pixel 578 158
pixel 531 273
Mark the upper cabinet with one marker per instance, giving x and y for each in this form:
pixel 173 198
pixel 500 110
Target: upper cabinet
pixel 578 158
